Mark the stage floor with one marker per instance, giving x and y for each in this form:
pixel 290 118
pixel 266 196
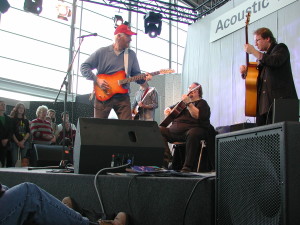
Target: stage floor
pixel 147 199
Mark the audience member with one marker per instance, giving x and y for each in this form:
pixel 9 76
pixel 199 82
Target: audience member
pixel 70 131
pixel 52 115
pixel 21 134
pixel 5 135
pixel 41 129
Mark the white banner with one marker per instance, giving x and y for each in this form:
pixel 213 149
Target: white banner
pixel 235 18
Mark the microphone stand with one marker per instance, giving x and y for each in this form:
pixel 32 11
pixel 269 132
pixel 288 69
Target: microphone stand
pixel 63 162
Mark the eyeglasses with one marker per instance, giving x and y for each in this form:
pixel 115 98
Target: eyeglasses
pixel 257 40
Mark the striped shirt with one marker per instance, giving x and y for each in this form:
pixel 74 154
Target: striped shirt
pixel 39 128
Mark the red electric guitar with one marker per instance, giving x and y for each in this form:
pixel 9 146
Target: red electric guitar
pixel 116 80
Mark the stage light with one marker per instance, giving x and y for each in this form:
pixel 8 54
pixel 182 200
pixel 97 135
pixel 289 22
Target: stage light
pixel 153 24
pixel 33 6
pixel 64 11
pixel 118 20
pixel 4 6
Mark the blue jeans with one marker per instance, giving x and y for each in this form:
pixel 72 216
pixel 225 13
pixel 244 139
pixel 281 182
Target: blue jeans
pixel 27 203
pixel 14 151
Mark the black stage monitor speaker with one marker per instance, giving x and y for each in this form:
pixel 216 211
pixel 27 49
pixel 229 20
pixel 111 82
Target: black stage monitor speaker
pixel 48 155
pixel 258 176
pixel 98 140
pixel 285 110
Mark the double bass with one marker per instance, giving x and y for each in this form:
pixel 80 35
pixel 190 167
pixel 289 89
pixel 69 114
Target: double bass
pixel 251 80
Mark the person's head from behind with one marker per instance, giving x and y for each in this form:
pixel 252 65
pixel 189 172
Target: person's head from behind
pixel 195 90
pixel 263 38
pixel 123 36
pixel 41 112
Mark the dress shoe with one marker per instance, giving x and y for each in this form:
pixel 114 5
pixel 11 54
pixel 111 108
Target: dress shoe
pixel 120 219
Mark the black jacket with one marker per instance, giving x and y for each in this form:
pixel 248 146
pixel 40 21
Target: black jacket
pixel 275 68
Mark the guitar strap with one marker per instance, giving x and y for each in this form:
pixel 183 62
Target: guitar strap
pixel 145 92
pixel 126 61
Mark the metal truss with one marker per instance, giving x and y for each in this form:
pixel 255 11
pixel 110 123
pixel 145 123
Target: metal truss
pixel 205 7
pixel 169 11
pixel 195 9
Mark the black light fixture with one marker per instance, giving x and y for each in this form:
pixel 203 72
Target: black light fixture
pixel 33 6
pixel 153 24
pixel 4 6
pixel 118 20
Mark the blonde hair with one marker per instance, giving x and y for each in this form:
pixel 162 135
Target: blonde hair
pixel 41 108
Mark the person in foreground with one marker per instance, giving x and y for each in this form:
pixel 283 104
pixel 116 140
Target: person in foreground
pixel 190 126
pixel 275 78
pixel 111 61
pixel 27 203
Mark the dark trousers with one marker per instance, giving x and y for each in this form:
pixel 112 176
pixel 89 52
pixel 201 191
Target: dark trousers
pixel 191 136
pixel 121 105
pixel 5 156
pixel 264 119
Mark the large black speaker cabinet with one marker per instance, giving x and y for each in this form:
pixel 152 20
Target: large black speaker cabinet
pixel 97 140
pixel 258 176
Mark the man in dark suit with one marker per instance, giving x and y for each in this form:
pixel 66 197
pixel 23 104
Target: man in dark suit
pixel 275 78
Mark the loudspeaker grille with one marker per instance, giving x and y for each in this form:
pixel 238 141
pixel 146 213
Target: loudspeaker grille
pixel 248 180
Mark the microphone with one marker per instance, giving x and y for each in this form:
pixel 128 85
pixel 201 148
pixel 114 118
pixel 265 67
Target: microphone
pixel 88 35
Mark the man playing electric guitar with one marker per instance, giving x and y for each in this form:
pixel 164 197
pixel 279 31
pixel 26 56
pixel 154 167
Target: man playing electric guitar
pixel 110 60
pixel 145 103
pixel 190 126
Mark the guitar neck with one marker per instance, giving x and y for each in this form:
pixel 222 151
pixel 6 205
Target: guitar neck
pixel 246 35
pixel 137 77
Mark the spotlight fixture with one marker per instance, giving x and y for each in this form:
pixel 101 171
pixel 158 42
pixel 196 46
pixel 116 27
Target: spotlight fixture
pixel 64 11
pixel 33 6
pixel 4 6
pixel 153 24
pixel 118 20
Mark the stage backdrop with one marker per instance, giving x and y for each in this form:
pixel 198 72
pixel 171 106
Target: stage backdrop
pixel 216 64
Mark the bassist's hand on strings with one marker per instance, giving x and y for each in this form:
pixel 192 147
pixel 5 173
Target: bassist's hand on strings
pixel 243 71
pixel 250 49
